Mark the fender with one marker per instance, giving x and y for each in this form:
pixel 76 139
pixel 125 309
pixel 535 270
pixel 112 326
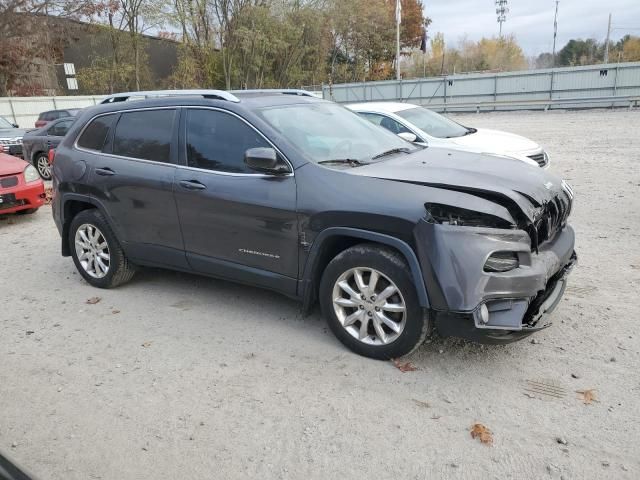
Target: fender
pixel 306 283
pixel 66 222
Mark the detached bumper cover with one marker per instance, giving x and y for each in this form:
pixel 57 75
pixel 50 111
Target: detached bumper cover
pixel 492 306
pixel 519 325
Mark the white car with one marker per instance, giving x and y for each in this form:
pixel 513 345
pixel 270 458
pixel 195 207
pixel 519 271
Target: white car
pixel 425 127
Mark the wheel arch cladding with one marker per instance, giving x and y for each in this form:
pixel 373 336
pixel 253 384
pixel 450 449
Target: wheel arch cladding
pixel 334 240
pixel 72 207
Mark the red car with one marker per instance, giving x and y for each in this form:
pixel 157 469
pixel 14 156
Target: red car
pixel 21 188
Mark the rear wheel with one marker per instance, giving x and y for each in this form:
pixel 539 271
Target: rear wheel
pixel 42 165
pixel 96 251
pixel 368 297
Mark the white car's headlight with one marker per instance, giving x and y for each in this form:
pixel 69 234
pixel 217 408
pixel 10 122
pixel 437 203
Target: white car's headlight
pixel 31 174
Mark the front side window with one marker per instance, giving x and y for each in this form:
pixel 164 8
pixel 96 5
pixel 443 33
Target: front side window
pixel 145 134
pixel 433 123
pixel 95 134
pixel 327 132
pixel 218 141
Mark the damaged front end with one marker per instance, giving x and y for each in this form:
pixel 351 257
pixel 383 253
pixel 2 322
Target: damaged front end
pixel 494 269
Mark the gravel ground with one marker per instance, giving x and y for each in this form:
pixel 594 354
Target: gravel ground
pixel 178 376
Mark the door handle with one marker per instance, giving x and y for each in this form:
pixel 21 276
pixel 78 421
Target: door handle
pixel 192 185
pixel 105 172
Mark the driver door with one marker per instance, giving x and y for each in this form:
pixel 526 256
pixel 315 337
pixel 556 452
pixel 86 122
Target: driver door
pixel 236 223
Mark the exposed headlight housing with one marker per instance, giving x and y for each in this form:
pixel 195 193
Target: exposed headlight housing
pixel 502 262
pixel 448 215
pixel 31 174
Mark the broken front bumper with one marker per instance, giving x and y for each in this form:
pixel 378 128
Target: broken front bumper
pixel 492 307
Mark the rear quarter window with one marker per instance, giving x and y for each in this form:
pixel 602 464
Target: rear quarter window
pixel 145 134
pixel 94 135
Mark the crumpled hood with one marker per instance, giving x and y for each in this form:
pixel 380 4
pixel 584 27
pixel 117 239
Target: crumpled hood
pixel 488 176
pixel 495 141
pixel 11 165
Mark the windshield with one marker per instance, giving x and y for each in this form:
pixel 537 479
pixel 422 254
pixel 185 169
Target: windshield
pixel 5 124
pixel 326 131
pixel 433 123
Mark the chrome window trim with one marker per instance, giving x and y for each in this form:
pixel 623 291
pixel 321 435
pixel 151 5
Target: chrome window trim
pixel 185 167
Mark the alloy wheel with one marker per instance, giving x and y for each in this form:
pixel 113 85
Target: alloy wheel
pixel 369 306
pixel 44 169
pixel 92 250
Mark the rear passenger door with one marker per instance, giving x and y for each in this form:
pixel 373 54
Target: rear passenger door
pixel 233 217
pixel 132 177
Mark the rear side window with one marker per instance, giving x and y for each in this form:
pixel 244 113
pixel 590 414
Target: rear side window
pixel 145 134
pixel 218 141
pixel 95 134
pixel 60 129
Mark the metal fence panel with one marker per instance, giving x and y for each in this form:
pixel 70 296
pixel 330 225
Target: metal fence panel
pixel 504 91
pixel 25 110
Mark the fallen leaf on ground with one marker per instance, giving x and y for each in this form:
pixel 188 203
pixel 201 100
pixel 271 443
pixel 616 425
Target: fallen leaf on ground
pixel 420 403
pixel 48 191
pixel 115 311
pixel 404 366
pixel 146 344
pixel 588 396
pixel 93 300
pixel 482 433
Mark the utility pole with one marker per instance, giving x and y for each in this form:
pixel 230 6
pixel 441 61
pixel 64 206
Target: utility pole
pixel 398 20
pixel 606 45
pixel 501 11
pixel 555 34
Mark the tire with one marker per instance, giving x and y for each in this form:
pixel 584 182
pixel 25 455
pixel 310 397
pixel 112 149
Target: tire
pixel 347 316
pixel 41 162
pixel 93 232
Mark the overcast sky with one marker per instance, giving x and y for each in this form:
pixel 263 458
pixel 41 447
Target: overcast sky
pixel 532 20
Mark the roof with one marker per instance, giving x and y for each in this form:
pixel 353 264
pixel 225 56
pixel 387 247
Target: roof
pixel 384 107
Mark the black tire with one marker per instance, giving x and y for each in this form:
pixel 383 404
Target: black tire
pixel 392 265
pixel 120 270
pixel 42 157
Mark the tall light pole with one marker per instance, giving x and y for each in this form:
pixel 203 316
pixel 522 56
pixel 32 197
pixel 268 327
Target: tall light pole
pixel 606 45
pixel 501 11
pixel 555 34
pixel 398 20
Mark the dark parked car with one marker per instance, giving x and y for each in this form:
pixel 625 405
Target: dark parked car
pixel 37 143
pixel 11 138
pixel 299 195
pixel 49 116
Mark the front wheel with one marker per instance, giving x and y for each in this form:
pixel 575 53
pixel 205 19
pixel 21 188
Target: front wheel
pixel 96 251
pixel 370 302
pixel 43 167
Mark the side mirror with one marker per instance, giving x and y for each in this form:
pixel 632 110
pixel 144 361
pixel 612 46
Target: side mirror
pixel 408 136
pixel 262 160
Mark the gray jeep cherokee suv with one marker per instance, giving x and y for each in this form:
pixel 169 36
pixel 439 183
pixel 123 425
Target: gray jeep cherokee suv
pixel 288 192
